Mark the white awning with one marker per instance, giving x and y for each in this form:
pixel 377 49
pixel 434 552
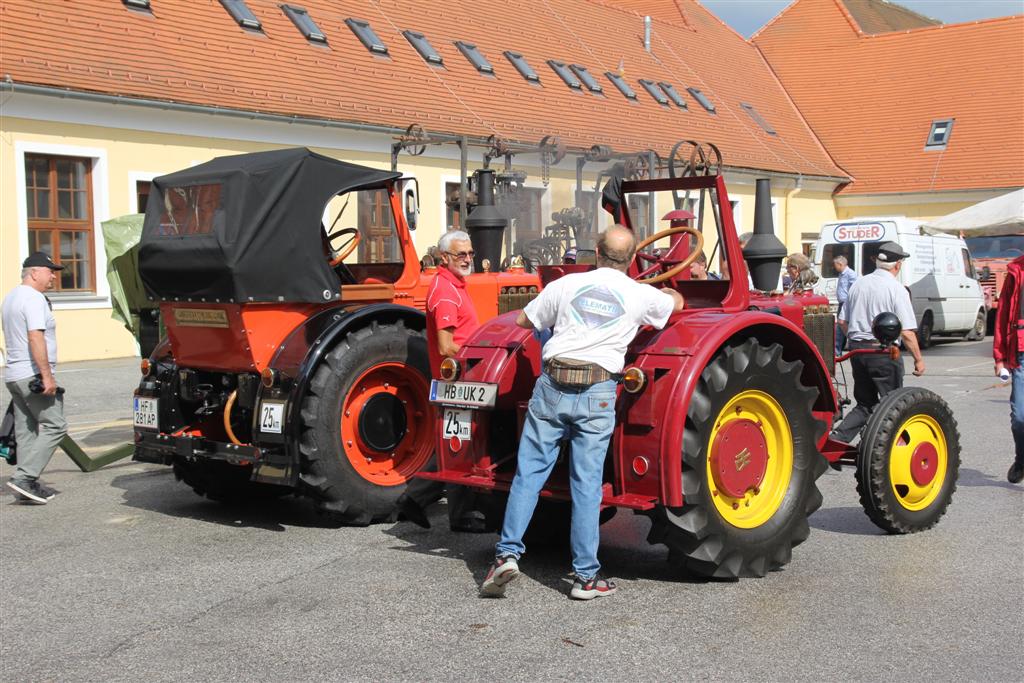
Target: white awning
pixel 1002 215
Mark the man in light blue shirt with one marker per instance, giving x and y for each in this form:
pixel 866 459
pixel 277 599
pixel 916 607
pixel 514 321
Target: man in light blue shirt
pixel 847 276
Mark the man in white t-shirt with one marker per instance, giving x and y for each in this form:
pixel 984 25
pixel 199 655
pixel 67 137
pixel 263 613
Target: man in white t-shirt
pixel 595 316
pixel 30 333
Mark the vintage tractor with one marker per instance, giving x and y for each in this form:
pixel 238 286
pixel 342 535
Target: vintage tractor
pixel 722 417
pixel 295 358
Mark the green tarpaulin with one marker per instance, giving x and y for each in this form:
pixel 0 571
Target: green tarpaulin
pixel 121 241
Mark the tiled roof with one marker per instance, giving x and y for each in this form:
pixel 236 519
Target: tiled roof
pixel 879 16
pixel 192 51
pixel 872 99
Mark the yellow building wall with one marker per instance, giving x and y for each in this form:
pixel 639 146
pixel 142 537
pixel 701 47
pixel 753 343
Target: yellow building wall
pixel 91 333
pixel 917 211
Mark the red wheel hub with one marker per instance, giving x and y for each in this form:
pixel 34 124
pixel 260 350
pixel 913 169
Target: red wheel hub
pixel 924 463
pixel 739 457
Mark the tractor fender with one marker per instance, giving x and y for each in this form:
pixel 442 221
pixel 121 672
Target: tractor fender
pixel 305 348
pixel 703 335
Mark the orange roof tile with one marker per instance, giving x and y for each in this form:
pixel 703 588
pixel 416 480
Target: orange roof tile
pixel 191 51
pixel 879 16
pixel 872 99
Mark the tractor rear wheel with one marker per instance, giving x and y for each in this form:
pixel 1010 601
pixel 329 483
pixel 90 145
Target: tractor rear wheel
pixel 750 466
pixel 224 482
pixel 908 461
pixel 367 423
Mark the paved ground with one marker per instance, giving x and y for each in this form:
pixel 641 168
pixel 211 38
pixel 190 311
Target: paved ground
pixel 128 575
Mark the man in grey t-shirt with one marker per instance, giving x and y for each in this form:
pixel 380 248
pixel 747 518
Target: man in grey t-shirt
pixel 30 333
pixel 875 375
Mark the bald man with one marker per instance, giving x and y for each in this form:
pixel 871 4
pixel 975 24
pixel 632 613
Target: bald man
pixel 595 316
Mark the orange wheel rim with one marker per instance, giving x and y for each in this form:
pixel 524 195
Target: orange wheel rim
pixel 385 424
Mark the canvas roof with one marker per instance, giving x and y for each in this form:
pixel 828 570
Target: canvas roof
pixel 193 52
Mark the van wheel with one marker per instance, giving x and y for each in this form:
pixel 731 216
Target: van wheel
pixel 750 467
pixel 367 423
pixel 977 332
pixel 924 331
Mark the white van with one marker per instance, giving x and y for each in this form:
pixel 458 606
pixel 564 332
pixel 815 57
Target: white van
pixel 944 289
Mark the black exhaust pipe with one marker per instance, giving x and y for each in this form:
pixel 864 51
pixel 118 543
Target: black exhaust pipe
pixel 486 224
pixel 764 252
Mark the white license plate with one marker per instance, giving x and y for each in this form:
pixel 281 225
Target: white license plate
pixel 471 394
pixel 271 415
pixel 457 423
pixel 145 413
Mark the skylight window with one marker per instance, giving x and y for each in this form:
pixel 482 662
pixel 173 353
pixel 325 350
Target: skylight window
pixel 475 58
pixel 367 36
pixel 241 13
pixel 673 95
pixel 702 99
pixel 300 17
pixel 760 120
pixel 423 46
pixel 137 4
pixel 938 136
pixel 620 83
pixel 654 91
pixel 522 66
pixel 588 80
pixel 565 74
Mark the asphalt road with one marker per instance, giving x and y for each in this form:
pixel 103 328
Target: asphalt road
pixel 128 575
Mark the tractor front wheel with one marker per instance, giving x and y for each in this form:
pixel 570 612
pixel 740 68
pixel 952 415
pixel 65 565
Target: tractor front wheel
pixel 908 461
pixel 750 465
pixel 367 423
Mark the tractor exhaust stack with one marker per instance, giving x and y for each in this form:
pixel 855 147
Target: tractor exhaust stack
pixel 764 252
pixel 485 224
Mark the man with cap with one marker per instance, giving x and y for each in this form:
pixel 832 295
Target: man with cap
pixel 875 375
pixel 31 340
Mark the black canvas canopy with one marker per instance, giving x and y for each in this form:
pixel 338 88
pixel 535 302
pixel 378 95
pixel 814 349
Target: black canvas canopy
pixel 246 228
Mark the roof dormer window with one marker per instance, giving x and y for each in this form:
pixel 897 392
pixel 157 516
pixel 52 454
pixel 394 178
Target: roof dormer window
pixel 423 46
pixel 367 36
pixel 938 136
pixel 300 17
pixel 522 66
pixel 241 13
pixel 475 57
pixel 589 81
pixel 565 74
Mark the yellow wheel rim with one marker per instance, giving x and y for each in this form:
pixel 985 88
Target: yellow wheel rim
pixel 750 459
pixel 918 461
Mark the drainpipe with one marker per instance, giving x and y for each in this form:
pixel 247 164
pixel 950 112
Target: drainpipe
pixel 797 187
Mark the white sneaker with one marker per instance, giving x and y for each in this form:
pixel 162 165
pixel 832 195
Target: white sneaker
pixel 501 573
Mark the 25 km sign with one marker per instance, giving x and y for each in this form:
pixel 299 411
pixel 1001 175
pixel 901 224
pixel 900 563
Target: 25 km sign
pixel 859 232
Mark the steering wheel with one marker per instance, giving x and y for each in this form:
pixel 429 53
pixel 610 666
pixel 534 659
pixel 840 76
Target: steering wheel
pixel 346 247
pixel 660 262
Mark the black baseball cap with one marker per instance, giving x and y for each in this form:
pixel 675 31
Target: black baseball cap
pixel 40 260
pixel 890 252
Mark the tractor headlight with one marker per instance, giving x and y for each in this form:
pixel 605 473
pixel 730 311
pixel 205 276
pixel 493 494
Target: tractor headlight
pixel 268 377
pixel 450 369
pixel 633 380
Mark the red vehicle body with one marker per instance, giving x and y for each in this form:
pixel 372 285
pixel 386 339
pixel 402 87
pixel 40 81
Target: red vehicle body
pixel 723 442
pixel 991 255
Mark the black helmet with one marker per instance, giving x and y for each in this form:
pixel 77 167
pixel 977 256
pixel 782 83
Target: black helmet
pixel 886 328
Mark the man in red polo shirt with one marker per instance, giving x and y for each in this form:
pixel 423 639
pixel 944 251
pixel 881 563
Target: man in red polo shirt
pixel 451 318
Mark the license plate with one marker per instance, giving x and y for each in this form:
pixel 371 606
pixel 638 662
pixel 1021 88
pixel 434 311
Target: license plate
pixel 457 423
pixel 471 394
pixel 145 413
pixel 271 415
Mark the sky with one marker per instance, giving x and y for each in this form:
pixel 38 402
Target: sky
pixel 747 16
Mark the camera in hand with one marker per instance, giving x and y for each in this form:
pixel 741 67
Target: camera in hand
pixel 36 386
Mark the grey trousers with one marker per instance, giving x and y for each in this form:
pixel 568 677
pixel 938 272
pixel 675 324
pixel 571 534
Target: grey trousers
pixel 39 426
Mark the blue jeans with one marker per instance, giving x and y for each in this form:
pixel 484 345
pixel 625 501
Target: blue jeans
pixel 1017 409
pixel 585 418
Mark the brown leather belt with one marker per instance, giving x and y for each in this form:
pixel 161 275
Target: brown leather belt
pixel 577 374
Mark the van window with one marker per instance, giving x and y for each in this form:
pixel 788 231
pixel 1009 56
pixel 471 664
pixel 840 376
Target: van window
pixel 868 255
pixel 830 252
pixel 968 264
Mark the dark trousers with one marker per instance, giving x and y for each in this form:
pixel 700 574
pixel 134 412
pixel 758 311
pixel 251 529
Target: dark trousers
pixel 424 492
pixel 874 376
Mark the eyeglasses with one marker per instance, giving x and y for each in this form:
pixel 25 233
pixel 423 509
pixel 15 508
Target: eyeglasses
pixel 460 255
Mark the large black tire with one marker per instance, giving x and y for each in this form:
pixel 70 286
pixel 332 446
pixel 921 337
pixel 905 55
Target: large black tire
pixel 908 461
pixel 745 388
pixel 367 423
pixel 924 331
pixel 977 333
pixel 224 482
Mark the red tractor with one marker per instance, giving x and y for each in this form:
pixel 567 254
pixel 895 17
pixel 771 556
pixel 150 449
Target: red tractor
pixel 722 417
pixel 295 358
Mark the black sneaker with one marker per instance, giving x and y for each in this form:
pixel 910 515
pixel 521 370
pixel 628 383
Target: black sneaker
pixel 501 573
pixel 588 589
pixel 1016 473
pixel 28 490
pixel 45 491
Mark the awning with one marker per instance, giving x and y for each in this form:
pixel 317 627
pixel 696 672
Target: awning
pixel 1003 215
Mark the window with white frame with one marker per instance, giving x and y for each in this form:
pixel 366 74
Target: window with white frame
pixel 59 212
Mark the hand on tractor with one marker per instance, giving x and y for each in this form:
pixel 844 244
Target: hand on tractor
pixel 918 367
